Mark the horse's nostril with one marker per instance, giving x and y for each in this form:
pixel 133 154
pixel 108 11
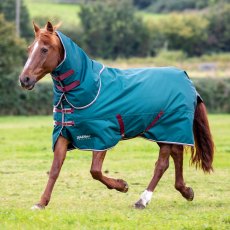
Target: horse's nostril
pixel 26 79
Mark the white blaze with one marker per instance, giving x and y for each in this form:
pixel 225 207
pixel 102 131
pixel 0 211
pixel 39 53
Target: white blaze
pixel 31 56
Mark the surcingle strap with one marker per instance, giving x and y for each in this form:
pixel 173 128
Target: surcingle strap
pixel 68 87
pixel 67 123
pixel 66 111
pixel 64 75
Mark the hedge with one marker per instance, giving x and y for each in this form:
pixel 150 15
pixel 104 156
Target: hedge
pixel 215 93
pixel 17 101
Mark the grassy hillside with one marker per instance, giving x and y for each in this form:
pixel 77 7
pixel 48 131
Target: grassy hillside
pixel 218 64
pixel 67 13
pixel 79 202
pixel 55 12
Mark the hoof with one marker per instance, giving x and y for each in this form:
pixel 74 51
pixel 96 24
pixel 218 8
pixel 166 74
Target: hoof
pixel 139 205
pixel 188 194
pixel 125 186
pixel 191 194
pixel 37 207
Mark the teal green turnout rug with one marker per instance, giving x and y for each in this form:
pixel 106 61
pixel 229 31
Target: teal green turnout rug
pixel 96 106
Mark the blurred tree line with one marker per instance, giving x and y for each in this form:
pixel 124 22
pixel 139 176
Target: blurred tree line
pixel 164 6
pixel 118 31
pixel 111 30
pixel 159 6
pixel 13 99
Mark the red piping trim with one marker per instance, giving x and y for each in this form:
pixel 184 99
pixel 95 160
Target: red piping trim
pixel 67 111
pixel 64 75
pixel 68 87
pixel 154 121
pixel 121 123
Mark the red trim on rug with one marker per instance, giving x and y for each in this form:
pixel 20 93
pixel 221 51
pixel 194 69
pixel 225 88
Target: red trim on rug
pixel 67 111
pixel 64 75
pixel 154 121
pixel 121 123
pixel 67 123
pixel 68 87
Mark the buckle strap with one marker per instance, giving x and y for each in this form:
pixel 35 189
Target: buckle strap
pixel 66 111
pixel 68 87
pixel 121 123
pixel 67 123
pixel 64 75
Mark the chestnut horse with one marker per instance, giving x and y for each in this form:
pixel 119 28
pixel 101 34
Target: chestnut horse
pixel 45 54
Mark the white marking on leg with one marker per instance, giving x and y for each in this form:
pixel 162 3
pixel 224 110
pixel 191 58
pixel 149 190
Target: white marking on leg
pixel 146 197
pixel 37 207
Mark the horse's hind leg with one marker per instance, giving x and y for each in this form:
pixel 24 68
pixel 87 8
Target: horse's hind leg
pixel 96 167
pixel 177 155
pixel 161 166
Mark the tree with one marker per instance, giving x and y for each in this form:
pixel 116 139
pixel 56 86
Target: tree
pixel 111 29
pixel 142 3
pixel 187 33
pixel 13 49
pixel 8 8
pixel 219 28
pixel 180 5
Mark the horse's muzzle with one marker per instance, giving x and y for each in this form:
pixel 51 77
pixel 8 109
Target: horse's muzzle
pixel 26 82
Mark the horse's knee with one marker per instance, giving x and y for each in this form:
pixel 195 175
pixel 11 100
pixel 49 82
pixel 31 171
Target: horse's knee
pixel 162 165
pixel 97 175
pixel 54 174
pixel 165 165
pixel 56 168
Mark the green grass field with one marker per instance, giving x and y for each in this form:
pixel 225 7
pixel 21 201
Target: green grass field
pixel 79 202
pixel 67 13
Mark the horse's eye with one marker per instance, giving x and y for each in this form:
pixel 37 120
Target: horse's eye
pixel 44 50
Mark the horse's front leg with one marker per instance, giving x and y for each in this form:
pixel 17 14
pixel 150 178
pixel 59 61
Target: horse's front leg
pixel 59 157
pixel 96 167
pixel 177 155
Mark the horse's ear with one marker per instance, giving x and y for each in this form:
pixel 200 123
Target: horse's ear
pixel 57 26
pixel 36 28
pixel 49 27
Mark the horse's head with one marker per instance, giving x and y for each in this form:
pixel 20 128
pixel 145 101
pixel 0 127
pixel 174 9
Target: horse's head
pixel 44 54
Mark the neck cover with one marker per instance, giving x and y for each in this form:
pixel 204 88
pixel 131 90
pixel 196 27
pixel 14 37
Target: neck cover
pixel 79 69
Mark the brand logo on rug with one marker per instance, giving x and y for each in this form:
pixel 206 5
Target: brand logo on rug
pixel 83 137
